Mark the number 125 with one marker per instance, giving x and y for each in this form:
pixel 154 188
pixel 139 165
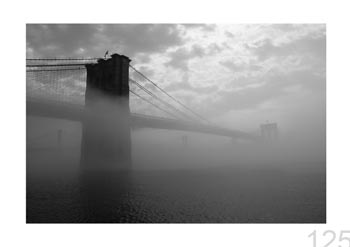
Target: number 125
pixel 330 236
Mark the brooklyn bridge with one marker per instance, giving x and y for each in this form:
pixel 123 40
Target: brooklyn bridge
pixel 99 93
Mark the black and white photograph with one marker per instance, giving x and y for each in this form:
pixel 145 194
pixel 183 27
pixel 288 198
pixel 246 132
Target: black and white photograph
pixel 176 123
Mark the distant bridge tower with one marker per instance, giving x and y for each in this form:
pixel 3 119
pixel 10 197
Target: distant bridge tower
pixel 269 131
pixel 184 139
pixel 106 141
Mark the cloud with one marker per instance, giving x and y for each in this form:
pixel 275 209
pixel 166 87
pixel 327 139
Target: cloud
pixel 59 40
pixel 239 66
pixel 214 48
pixel 144 38
pixel 229 34
pixel 313 46
pixel 179 58
pixel 250 93
pixel 202 27
pixel 94 39
pixel 216 69
pixel 187 86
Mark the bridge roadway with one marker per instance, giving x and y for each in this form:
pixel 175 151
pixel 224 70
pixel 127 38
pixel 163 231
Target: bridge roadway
pixel 75 112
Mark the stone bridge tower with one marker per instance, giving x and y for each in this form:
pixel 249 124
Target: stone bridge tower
pixel 106 143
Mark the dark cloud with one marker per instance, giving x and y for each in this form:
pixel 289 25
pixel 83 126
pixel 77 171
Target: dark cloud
pixel 59 40
pixel 94 39
pixel 144 38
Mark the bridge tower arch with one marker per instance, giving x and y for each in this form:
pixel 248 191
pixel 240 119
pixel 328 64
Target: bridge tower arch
pixel 106 143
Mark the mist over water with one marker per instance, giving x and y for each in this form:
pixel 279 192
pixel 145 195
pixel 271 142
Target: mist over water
pixel 176 176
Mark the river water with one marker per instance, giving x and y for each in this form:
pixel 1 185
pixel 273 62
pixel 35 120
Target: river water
pixel 210 180
pixel 225 195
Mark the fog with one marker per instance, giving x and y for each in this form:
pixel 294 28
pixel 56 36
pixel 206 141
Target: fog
pixel 300 148
pixel 94 170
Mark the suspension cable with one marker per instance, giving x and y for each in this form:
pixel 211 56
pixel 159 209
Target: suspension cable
pixel 139 85
pixel 184 106
pixel 159 99
pixel 148 101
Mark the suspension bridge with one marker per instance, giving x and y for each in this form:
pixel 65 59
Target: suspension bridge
pixel 74 89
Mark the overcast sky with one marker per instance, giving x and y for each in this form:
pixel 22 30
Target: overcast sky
pixel 236 75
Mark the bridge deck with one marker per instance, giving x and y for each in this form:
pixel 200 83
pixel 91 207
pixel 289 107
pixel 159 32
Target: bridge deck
pixel 77 113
